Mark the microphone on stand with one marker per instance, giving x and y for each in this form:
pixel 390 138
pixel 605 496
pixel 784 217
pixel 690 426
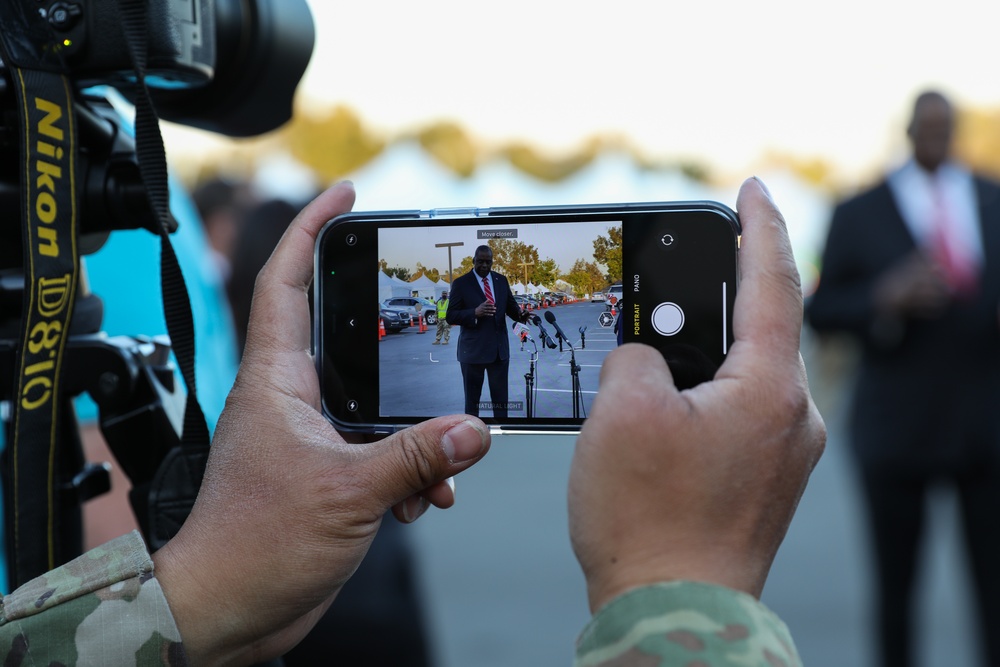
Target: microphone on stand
pixel 546 339
pixel 522 332
pixel 551 319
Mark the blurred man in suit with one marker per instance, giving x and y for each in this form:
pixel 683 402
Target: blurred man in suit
pixel 912 270
pixel 481 301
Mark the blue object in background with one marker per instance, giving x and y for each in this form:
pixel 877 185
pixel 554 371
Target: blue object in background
pixel 125 273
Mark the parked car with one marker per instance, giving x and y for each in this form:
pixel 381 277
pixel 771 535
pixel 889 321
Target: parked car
pixel 597 296
pixel 526 300
pixel 416 305
pixel 613 295
pixel 549 298
pixel 394 319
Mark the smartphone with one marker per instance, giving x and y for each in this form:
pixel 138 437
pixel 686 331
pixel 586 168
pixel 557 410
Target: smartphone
pixel 553 316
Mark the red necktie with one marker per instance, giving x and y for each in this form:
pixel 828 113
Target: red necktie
pixel 486 288
pixel 959 269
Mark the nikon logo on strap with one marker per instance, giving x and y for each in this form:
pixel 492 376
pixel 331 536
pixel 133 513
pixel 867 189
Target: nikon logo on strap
pixel 49 223
pixel 51 297
pixel 47 170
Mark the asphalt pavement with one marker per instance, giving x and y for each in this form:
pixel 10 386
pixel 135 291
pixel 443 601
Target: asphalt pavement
pixel 502 587
pixel 419 379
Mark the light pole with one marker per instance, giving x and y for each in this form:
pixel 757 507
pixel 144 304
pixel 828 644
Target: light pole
pixel 449 246
pixel 525 266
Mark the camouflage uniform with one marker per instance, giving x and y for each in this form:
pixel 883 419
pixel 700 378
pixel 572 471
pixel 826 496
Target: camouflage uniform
pixel 685 624
pixel 104 608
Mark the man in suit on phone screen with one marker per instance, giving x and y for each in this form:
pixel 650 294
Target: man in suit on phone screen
pixel 481 301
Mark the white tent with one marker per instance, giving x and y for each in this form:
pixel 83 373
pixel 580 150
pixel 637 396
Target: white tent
pixel 517 288
pixel 424 287
pixel 400 283
pixel 440 287
pixel 533 289
pixel 390 286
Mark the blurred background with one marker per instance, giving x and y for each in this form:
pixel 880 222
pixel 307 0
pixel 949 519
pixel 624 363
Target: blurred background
pixel 442 103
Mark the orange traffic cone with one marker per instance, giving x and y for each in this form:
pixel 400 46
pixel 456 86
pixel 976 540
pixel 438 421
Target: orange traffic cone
pixel 381 329
pixel 423 324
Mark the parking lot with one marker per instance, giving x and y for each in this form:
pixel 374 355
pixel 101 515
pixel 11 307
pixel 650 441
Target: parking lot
pixel 418 379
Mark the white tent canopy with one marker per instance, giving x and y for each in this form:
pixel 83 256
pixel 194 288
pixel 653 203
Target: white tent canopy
pixel 517 288
pixel 390 286
pixel 424 287
pixel 440 287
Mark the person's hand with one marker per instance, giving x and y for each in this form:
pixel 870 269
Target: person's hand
pixel 913 287
pixel 288 509
pixel 486 309
pixel 701 484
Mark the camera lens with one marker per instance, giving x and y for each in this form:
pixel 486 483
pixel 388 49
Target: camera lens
pixel 262 49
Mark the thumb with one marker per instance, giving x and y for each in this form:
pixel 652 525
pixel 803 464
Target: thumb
pixel 417 458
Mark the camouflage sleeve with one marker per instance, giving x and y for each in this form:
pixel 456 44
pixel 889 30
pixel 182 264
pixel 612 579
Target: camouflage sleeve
pixel 104 608
pixel 685 623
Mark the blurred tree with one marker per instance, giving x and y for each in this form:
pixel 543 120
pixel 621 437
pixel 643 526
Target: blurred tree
pixel 334 144
pixel 532 162
pixel 608 251
pixel 450 145
pixel 462 268
pixel 977 140
pixel 585 277
pixel 546 272
pixel 400 272
pixel 508 256
pixel 433 274
pixel 813 170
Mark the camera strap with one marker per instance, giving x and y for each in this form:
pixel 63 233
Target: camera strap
pixel 49 219
pixel 166 503
pixel 50 196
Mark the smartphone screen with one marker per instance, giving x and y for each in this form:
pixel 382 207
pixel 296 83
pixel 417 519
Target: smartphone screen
pixel 567 285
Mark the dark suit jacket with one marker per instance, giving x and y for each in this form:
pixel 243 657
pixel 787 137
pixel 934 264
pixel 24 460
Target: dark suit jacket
pixel 482 339
pixel 927 391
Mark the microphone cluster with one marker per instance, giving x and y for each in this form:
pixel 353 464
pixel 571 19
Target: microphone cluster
pixel 543 334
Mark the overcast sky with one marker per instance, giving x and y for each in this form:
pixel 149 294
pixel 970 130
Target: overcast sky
pixel 719 82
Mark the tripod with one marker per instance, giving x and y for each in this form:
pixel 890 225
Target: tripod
pixel 529 382
pixel 574 372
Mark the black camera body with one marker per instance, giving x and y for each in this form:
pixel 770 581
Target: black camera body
pixel 181 40
pixel 263 47
pixel 70 173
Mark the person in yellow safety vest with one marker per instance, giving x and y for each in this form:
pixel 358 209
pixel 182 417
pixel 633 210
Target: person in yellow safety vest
pixel 443 328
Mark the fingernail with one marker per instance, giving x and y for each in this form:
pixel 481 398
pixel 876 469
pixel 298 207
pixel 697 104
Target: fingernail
pixel 414 507
pixel 763 187
pixel 463 442
pixel 451 484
